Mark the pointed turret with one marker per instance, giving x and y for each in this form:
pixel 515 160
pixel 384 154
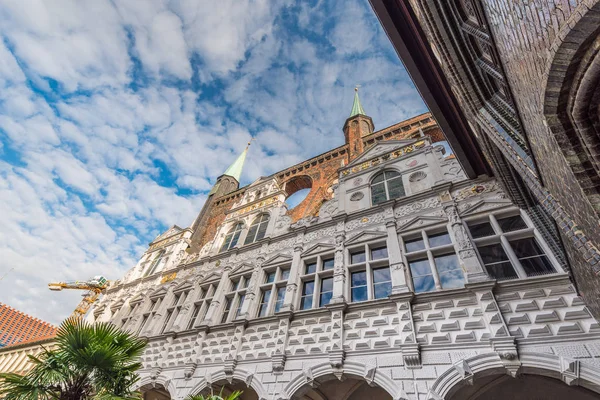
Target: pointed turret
pixel 226 183
pixel 356 127
pixel 357 107
pixel 235 169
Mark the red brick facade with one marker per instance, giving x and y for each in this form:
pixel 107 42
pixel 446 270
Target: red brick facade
pixel 17 327
pixel 318 173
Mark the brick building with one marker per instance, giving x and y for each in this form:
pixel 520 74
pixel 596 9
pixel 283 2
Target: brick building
pixel 399 276
pixel 519 78
pixel 17 327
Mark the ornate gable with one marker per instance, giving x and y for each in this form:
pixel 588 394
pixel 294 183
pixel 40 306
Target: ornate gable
pixel 365 237
pixel 317 249
pixel 482 205
pixel 170 232
pixel 420 222
pixel 242 269
pixel 382 148
pixel 278 259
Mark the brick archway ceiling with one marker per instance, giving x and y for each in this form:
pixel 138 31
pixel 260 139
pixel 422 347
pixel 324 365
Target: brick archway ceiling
pixel 297 183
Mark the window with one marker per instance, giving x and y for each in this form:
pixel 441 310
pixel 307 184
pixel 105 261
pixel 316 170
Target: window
pixel 385 186
pixel 149 314
pixel 133 308
pixel 155 263
pixel 232 237
pixel 370 277
pixel 234 300
pixel 173 310
pixel 257 229
pixel 201 304
pixel 273 290
pixel 317 282
pixel 432 262
pixel 508 248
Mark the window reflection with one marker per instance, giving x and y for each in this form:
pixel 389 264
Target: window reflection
pixel 422 275
pixel 450 272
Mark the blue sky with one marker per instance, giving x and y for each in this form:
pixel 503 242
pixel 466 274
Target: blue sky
pixel 116 117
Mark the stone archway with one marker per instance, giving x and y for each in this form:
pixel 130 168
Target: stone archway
pixel 331 388
pixel 154 392
pixel 482 376
pixel 227 388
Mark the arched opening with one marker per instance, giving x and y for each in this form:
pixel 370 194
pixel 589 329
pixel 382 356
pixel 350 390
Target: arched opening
pixel 523 387
pixel 297 189
pixel 227 388
pixel 154 392
pixel 331 388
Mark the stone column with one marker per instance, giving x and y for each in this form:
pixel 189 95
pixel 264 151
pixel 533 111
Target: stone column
pixel 211 317
pixel 294 279
pixel 397 267
pixel 339 270
pixel 462 244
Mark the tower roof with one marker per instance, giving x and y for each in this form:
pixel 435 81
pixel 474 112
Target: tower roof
pixel 235 169
pixel 356 107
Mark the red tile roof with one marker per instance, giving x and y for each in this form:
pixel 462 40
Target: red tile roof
pixel 17 327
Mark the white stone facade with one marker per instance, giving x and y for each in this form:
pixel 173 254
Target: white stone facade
pixel 210 322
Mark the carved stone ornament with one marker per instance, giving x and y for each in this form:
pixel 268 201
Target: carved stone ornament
pixel 356 196
pixel 357 181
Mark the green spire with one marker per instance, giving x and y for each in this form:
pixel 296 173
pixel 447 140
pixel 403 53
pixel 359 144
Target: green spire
pixel 356 107
pixel 235 169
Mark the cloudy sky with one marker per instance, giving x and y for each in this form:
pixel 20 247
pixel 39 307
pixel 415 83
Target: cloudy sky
pixel 116 116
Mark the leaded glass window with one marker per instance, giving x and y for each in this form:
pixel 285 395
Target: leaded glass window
pixel 385 186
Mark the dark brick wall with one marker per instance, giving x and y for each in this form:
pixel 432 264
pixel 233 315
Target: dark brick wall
pixel 527 36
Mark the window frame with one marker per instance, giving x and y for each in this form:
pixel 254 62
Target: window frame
pixel 274 286
pixel 505 240
pixel 156 261
pixel 235 297
pixel 317 277
pixel 203 298
pixel 258 224
pixel 429 253
pixel 400 178
pixel 231 232
pixel 368 266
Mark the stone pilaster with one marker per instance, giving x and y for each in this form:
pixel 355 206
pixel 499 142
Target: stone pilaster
pixel 339 271
pixel 465 250
pixel 249 306
pixel 407 338
pixel 336 351
pixel 397 267
pixel 211 313
pixel 294 279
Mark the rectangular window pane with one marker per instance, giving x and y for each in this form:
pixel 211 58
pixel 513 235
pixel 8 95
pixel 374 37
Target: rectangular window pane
pixel 240 304
pixel 450 272
pixel 360 294
pixel 423 283
pixel 261 231
pixel 382 290
pixel 395 188
pixel 168 317
pixel 481 230
pixel 306 302
pixel 510 224
pixel 194 316
pixel 308 288
pixel 526 248
pixel 311 268
pixel 378 193
pixel 264 303
pixel 251 234
pixel 270 277
pixel 439 239
pixel 234 240
pixel 244 281
pixel 285 274
pixel 227 308
pixel 422 275
pixel 328 264
pixel 492 254
pixel 379 253
pixel 280 298
pixel 358 257
pixel 501 271
pixel 535 266
pixel 381 275
pixel 414 245
pixel 358 278
pixel 326 291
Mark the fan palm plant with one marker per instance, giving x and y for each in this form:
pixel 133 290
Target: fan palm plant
pixel 233 396
pixel 90 361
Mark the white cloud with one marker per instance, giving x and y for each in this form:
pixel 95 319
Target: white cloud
pixel 111 110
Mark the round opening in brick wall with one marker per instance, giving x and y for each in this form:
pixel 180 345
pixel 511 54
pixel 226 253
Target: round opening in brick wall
pixel 297 189
pixel 297 198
